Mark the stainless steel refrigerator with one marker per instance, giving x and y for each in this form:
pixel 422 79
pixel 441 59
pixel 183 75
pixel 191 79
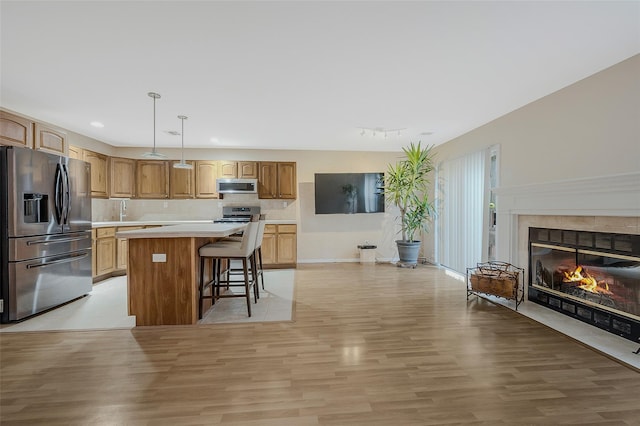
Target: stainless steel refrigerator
pixel 45 226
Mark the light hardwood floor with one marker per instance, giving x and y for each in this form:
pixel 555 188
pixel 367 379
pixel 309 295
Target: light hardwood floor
pixel 370 345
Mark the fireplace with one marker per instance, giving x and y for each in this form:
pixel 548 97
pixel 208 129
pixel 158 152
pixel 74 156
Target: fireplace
pixel 591 276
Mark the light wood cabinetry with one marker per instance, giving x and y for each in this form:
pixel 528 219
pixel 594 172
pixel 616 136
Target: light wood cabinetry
pixel 99 173
pixel 152 179
pixel 104 251
pixel 75 152
pixel 248 169
pixel 122 182
pixel 279 246
pixel 122 248
pixel 15 130
pixel 238 169
pixel 206 175
pixel 227 169
pixel 181 181
pixel 277 180
pixel 50 139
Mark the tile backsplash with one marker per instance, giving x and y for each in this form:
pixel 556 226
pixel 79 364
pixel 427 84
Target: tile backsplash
pixel 109 210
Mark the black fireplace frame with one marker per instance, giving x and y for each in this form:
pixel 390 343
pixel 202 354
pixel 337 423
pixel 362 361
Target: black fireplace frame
pixel 610 243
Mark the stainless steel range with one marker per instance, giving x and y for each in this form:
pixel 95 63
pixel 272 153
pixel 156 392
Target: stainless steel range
pixel 235 214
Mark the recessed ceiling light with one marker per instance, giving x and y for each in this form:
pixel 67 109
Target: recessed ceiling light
pixel 214 140
pixel 97 124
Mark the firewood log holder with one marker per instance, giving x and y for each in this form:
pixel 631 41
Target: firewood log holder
pixel 494 278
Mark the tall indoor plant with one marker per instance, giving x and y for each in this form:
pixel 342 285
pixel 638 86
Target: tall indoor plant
pixel 407 185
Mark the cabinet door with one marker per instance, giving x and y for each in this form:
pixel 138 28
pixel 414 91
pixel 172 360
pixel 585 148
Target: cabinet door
pixel 152 179
pixel 105 251
pixel 99 164
pixel 181 181
pixel 15 130
pixel 122 173
pixel 287 180
pixel 122 248
pixel 228 169
pixel 75 152
pixel 248 169
pixel 267 179
pixel 206 175
pixel 269 248
pixel 287 244
pixel 50 139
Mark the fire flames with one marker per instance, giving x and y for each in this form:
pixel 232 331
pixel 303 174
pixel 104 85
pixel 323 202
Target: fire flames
pixel 586 281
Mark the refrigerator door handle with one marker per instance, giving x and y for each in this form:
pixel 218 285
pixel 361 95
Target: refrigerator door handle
pixel 57 196
pixel 66 196
pixel 58 240
pixel 71 258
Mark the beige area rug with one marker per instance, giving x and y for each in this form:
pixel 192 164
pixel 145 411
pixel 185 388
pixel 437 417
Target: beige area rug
pixel 106 307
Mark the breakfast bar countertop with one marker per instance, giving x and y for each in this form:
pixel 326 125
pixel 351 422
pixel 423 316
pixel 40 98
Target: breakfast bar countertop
pixel 185 230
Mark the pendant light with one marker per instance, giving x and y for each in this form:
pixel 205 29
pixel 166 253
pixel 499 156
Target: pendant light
pixel 182 164
pixel 154 153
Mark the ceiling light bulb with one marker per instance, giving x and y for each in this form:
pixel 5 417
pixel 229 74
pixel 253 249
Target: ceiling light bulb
pixel 97 124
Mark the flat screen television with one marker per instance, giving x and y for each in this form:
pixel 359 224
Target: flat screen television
pixel 346 193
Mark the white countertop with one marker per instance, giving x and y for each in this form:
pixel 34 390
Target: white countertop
pixel 185 230
pixel 116 223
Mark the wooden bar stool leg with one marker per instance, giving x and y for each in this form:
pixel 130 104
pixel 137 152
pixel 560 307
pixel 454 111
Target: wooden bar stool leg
pixel 246 285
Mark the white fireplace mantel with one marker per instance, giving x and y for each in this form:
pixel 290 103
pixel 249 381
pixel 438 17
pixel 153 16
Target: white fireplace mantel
pixel 599 196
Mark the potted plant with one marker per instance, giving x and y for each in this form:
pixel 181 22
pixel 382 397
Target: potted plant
pixel 406 185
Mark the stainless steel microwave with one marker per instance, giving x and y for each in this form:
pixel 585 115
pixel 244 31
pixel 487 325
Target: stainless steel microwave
pixel 237 186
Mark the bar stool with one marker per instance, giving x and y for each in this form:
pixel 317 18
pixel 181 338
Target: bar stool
pixel 257 270
pixel 219 251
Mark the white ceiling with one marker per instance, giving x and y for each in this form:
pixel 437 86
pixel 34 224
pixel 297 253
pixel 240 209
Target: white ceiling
pixel 299 74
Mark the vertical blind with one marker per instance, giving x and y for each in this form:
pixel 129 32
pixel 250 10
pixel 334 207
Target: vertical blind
pixel 461 202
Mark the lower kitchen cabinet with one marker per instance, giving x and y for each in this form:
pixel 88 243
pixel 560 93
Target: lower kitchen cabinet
pixel 279 246
pixel 122 248
pixel 104 251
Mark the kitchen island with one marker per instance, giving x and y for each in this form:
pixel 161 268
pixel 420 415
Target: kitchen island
pixel 163 270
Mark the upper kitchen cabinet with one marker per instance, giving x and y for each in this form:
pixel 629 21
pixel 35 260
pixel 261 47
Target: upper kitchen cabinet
pixel 277 180
pixel 50 139
pixel 99 173
pixel 206 175
pixel 75 152
pixel 247 169
pixel 238 169
pixel 15 130
pixel 227 169
pixel 123 177
pixel 152 179
pixel 181 181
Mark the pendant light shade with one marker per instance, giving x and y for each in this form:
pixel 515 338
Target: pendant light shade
pixel 154 153
pixel 182 164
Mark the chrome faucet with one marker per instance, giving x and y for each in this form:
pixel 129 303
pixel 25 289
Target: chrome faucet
pixel 123 209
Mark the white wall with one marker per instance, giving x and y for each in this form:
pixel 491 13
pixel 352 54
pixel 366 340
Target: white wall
pixel 587 131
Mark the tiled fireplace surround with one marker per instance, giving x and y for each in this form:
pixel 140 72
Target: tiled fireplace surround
pixel 604 204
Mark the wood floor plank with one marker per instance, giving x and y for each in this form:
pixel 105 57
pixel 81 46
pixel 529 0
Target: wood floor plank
pixel 370 345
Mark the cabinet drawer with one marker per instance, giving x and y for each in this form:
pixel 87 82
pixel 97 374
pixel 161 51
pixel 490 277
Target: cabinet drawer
pixel 129 228
pixel 270 229
pixel 287 229
pixel 105 232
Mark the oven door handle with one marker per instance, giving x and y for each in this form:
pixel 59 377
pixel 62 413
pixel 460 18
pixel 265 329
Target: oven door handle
pixel 67 259
pixel 58 240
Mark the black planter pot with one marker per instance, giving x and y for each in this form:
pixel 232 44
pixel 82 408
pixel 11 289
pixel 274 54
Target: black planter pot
pixel 408 252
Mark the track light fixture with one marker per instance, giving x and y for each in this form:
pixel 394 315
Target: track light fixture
pixel 380 130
